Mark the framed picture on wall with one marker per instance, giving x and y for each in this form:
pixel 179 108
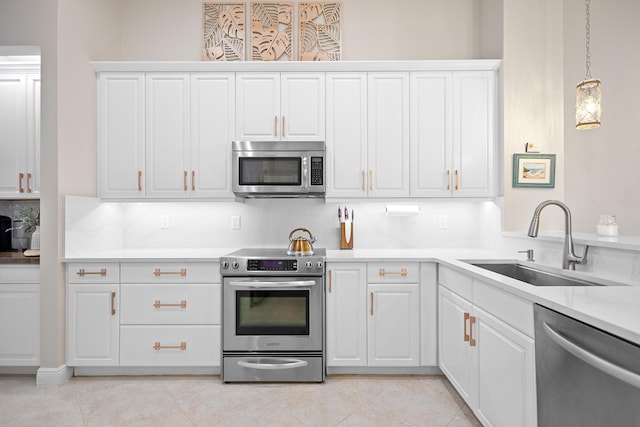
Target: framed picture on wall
pixel 534 170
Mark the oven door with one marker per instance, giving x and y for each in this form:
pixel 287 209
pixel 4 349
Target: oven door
pixel 282 314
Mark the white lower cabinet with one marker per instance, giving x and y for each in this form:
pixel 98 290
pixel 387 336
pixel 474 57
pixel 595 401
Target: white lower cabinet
pixel 19 315
pixel 489 362
pixel 372 324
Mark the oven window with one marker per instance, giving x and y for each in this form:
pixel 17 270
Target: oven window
pixel 270 171
pixel 272 312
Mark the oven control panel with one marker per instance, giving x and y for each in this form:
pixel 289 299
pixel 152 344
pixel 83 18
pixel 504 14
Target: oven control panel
pixel 272 265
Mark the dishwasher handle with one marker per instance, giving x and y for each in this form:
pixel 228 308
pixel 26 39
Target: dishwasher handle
pixel 597 362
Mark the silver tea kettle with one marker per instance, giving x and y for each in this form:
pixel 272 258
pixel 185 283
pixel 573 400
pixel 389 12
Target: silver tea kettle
pixel 301 245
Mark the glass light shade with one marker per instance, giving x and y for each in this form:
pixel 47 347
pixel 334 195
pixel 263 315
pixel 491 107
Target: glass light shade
pixel 588 104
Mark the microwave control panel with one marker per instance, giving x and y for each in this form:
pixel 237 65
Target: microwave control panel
pixel 317 171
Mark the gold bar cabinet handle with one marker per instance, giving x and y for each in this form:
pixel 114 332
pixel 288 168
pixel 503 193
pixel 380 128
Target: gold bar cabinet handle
pixel 275 125
pixel 139 180
pixel 402 272
pixel 472 320
pixel 448 179
pixel 157 272
pixel 371 309
pixel 29 190
pixel 20 178
pixel 184 180
pixel 82 272
pixel 466 319
pixel 158 304
pixel 158 346
pixel 113 303
pixel 330 280
pixel 371 179
pixel 193 180
pixel 457 179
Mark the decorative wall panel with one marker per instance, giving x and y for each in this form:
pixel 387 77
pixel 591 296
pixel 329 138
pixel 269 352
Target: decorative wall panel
pixel 223 31
pixel 271 31
pixel 320 35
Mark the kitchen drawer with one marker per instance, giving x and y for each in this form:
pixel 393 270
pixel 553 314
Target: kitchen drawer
pixel 190 304
pixel 13 274
pixel 393 272
pixel 93 272
pixel 171 272
pixel 455 281
pixel 509 308
pixel 170 345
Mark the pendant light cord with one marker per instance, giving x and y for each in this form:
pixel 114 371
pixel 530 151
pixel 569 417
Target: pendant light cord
pixel 587 27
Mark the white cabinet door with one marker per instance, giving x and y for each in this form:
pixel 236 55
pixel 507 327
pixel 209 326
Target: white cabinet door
pixel 394 324
pixel 121 135
pixel 346 134
pixel 505 360
pixel 280 106
pixel 33 134
pixel 167 135
pixel 212 130
pixel 431 137
pixel 388 133
pixel 474 133
pixel 456 355
pixel 13 135
pixel 257 106
pixel 346 315
pixel 93 325
pixel 19 324
pixel 302 107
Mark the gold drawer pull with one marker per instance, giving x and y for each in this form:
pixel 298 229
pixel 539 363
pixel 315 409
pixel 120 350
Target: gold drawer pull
pixel 20 178
pixel 29 190
pixel 472 341
pixel 82 272
pixel 457 179
pixel 448 179
pixel 158 273
pixel 139 180
pixel 182 346
pixel 465 335
pixel 402 272
pixel 113 303
pixel 182 304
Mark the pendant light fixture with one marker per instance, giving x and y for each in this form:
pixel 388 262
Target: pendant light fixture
pixel 589 91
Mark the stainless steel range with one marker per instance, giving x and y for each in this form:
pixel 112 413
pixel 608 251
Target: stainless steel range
pixel 273 316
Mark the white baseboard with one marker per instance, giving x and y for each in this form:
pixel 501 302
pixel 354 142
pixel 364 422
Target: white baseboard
pixel 53 377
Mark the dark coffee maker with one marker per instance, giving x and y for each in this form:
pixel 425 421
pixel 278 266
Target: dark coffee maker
pixel 5 233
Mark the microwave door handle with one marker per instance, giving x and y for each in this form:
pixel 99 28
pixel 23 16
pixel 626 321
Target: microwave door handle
pixel 287 284
pixel 305 173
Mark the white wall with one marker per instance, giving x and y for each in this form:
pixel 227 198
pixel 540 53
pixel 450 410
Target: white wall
pixel 601 163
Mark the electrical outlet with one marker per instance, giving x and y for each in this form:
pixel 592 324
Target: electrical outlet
pixel 443 222
pixel 165 221
pixel 235 222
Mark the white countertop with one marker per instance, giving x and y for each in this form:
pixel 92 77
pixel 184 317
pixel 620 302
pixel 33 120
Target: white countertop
pixel 614 308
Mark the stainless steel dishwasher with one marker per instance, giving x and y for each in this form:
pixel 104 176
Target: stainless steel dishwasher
pixel 584 376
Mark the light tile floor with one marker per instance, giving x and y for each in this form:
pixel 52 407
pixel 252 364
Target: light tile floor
pixel 343 400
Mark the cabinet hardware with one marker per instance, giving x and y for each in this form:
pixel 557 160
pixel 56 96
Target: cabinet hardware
pixel 158 346
pixel 158 304
pixel 139 180
pixel 82 272
pixel 193 180
pixel 158 273
pixel 402 272
pixel 448 179
pixel 330 280
pixel 113 303
pixel 29 190
pixel 282 133
pixel 371 179
pixel 275 125
pixel 466 319
pixel 457 179
pixel 371 309
pixel 472 320
pixel 21 177
pixel 363 181
pixel 185 180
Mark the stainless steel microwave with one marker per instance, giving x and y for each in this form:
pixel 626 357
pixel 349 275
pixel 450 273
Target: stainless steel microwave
pixel 278 169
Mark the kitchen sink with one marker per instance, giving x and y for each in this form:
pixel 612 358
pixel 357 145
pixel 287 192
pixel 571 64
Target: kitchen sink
pixel 533 276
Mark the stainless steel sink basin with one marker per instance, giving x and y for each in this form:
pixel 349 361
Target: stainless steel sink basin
pixel 533 276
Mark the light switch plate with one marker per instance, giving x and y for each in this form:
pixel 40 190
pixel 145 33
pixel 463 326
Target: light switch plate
pixel 235 222
pixel 165 221
pixel 443 222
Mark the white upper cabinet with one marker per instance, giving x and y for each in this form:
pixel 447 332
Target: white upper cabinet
pixel 388 134
pixel 452 134
pixel 19 134
pixel 280 106
pixel 346 134
pixel 121 135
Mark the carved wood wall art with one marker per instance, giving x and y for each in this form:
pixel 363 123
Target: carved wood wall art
pixel 320 36
pixel 223 31
pixel 271 31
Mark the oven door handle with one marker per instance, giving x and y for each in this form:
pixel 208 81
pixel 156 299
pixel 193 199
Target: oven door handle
pixel 288 363
pixel 258 284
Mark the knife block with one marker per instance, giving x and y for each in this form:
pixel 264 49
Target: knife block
pixel 344 242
